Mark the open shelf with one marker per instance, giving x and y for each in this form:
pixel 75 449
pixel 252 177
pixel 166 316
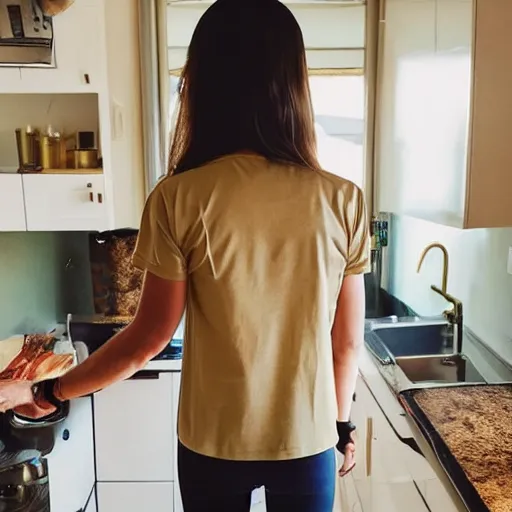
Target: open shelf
pixel 71 171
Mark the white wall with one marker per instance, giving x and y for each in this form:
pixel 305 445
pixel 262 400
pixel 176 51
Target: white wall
pixel 477 275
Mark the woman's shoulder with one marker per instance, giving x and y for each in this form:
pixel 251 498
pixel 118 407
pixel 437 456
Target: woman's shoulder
pixel 340 185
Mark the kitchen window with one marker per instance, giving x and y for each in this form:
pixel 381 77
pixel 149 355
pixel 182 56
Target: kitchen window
pixel 335 39
pixel 339 107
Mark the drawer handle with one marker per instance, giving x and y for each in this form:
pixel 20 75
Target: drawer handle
pixel 146 375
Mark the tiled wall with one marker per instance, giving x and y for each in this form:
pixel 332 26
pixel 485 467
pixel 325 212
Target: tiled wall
pixel 477 275
pixel 43 276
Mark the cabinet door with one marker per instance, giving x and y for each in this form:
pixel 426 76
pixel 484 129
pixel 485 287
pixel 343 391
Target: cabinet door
pixel 135 497
pixel 79 59
pixel 12 210
pixel 71 484
pixel 92 505
pixel 135 430
pixel 176 383
pixel 10 80
pixel 423 109
pixel 62 202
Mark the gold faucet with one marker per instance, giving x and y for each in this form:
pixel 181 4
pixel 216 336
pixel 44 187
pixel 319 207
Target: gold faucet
pixel 454 315
pixel 445 262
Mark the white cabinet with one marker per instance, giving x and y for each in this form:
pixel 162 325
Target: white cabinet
pixel 92 41
pixel 10 79
pixel 12 210
pixel 135 497
pixel 79 59
pixel 389 476
pixel 92 505
pixel 176 383
pixel 444 107
pixel 65 202
pixel 135 430
pixel 71 462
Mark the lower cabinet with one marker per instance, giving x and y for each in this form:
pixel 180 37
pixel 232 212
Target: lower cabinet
pixel 135 442
pixel 135 431
pixel 92 506
pixel 135 497
pixel 389 476
pixel 11 201
pixel 61 202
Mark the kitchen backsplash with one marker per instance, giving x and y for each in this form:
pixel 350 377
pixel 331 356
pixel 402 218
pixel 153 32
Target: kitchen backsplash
pixel 477 275
pixel 43 276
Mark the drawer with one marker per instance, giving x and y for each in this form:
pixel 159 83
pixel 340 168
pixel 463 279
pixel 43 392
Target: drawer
pixel 135 497
pixel 60 202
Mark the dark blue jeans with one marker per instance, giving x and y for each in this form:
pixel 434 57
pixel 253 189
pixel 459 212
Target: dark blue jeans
pixel 299 485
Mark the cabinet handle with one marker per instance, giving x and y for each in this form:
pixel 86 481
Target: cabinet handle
pixel 369 443
pixel 91 195
pixel 100 197
pixel 146 375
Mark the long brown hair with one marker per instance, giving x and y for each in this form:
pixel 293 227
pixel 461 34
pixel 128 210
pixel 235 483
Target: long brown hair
pixel 245 87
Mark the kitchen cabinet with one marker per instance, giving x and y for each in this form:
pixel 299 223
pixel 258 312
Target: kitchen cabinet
pixel 444 106
pixel 79 59
pixel 10 79
pixel 65 202
pixel 92 40
pixel 176 383
pixel 135 431
pixel 389 476
pixel 135 497
pixel 71 462
pixel 92 505
pixel 12 209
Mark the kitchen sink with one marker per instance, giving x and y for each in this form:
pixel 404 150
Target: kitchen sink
pixel 407 339
pixel 444 369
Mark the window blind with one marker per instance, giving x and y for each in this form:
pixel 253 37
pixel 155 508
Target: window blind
pixel 334 33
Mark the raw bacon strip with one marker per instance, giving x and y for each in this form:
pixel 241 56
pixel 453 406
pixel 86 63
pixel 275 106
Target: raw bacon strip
pixel 36 360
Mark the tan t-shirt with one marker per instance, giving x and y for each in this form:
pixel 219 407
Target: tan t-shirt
pixel 264 248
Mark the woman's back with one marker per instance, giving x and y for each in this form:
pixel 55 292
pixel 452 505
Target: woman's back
pixel 264 248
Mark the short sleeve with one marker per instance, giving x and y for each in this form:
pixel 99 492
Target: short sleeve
pixel 359 261
pixel 157 250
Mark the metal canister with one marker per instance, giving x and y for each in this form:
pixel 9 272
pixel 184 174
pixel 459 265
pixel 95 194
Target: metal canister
pixel 27 142
pixel 50 151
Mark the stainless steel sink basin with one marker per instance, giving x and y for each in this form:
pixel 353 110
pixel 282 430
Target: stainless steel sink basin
pixel 444 369
pixel 406 339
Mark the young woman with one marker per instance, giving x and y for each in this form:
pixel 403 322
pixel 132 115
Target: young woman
pixel 267 252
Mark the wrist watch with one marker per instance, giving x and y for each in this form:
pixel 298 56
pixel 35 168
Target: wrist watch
pixel 45 390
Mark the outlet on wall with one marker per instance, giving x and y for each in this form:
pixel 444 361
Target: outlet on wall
pixel 509 262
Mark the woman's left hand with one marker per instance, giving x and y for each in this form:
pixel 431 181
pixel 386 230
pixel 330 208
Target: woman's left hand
pixel 15 393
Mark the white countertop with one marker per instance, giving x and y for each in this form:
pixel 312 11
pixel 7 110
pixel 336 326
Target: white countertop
pixel 168 365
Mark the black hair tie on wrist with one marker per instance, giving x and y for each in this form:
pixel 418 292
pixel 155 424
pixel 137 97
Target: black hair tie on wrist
pixel 345 429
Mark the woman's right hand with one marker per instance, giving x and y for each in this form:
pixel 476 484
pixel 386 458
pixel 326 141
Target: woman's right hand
pixel 349 459
pixel 347 446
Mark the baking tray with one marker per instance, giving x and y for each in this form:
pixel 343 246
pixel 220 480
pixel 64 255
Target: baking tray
pixel 451 466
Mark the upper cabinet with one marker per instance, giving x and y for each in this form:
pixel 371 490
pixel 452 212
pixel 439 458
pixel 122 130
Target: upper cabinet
pixel 443 150
pixel 79 56
pixel 11 203
pixel 93 86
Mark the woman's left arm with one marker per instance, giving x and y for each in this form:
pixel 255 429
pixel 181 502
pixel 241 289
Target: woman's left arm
pixel 161 307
